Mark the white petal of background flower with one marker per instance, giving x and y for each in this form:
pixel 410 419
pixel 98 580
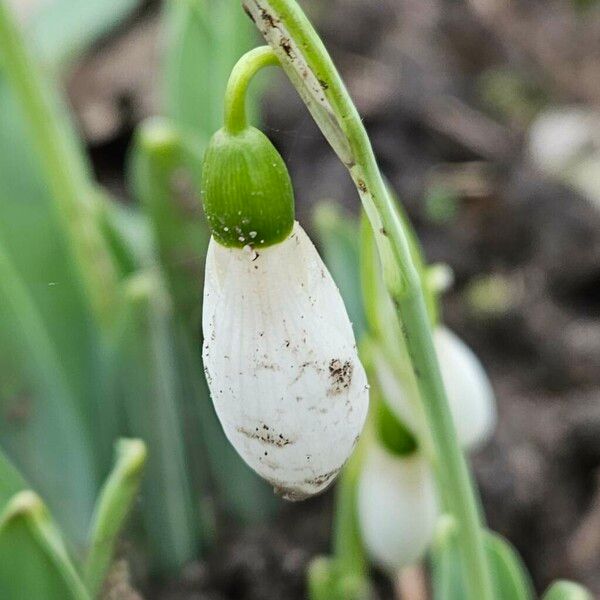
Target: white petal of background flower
pixel 397 507
pixel 281 362
pixel 470 394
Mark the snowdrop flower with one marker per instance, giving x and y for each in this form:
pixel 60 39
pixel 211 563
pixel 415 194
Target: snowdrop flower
pixel 397 507
pixel 281 362
pixel 565 143
pixel 561 135
pixel 279 353
pixel 469 391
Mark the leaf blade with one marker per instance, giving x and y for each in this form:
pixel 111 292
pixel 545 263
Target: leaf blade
pixel 112 508
pixel 33 560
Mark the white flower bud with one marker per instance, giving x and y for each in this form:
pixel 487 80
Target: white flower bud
pixel 560 136
pixel 281 363
pixel 397 507
pixel 469 391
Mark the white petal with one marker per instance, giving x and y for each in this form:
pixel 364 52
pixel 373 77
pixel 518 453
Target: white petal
pixel 397 508
pixel 469 391
pixel 559 136
pixel 399 395
pixel 281 363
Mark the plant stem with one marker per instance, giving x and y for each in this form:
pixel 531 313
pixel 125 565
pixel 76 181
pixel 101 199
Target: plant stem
pixel 347 545
pixel 308 65
pixel 63 168
pixel 237 86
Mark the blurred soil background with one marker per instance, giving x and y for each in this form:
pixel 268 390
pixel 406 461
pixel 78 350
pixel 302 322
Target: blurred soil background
pixel 448 90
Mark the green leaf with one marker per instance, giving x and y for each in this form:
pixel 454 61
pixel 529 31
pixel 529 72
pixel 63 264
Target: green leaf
pixel 63 167
pixel 168 198
pixel 445 561
pixel 33 561
pixel 113 506
pixel 11 481
pixel 349 552
pixel 510 578
pixel 326 581
pixel 153 404
pixel 53 395
pixel 205 38
pixel 64 29
pixel 340 236
pixel 567 590
pixel 48 440
pixel 320 578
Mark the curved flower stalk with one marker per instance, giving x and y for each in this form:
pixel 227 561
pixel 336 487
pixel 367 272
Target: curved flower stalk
pixel 397 507
pixel 311 70
pixel 279 354
pixel 470 393
pixel 281 363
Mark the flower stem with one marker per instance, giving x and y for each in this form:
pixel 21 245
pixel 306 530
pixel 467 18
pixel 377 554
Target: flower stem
pixel 347 546
pixel 310 68
pixel 237 86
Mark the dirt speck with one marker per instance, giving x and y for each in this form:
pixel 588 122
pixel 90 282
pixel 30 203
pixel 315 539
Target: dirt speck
pixel 286 46
pixel 267 18
pixel 340 374
pixel 265 435
pixel 323 478
pixel 247 11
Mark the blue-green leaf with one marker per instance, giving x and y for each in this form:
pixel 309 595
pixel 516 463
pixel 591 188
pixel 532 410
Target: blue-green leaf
pixel 63 29
pixel 113 506
pixel 205 38
pixel 510 578
pixel 48 437
pixel 11 481
pixel 174 214
pixel 152 402
pixel 33 561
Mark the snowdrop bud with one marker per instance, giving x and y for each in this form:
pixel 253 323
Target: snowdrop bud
pixel 397 507
pixel 565 143
pixel 469 391
pixel 281 362
pixel 560 136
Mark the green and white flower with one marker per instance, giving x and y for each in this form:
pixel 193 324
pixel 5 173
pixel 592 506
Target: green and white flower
pixel 397 507
pixel 281 362
pixel 469 391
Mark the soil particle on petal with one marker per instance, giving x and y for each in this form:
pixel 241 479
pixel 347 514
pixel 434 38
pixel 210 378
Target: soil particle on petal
pixel 340 376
